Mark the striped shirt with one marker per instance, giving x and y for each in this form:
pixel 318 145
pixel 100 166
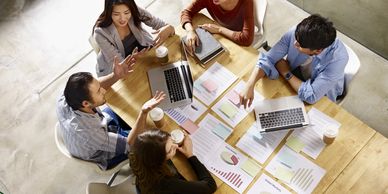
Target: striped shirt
pixel 86 135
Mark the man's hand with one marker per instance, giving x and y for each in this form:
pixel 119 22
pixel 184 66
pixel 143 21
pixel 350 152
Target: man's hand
pixel 153 102
pixel 191 41
pixel 187 146
pixel 122 69
pixel 247 95
pixel 283 67
pixel 162 34
pixel 212 28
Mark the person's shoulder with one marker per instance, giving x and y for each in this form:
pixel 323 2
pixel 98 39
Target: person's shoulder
pixel 104 31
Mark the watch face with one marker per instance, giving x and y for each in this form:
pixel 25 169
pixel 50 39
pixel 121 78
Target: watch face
pixel 288 75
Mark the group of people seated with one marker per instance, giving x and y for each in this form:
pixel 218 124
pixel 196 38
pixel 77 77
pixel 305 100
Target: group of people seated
pixel 309 56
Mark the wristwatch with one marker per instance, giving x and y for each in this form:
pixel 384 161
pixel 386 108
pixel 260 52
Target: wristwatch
pixel 288 75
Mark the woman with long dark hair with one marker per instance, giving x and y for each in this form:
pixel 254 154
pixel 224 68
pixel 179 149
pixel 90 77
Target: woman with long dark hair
pixel 150 160
pixel 118 32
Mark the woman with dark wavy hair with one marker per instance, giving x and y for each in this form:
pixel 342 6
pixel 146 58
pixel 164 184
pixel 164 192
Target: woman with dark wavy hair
pixel 118 32
pixel 150 160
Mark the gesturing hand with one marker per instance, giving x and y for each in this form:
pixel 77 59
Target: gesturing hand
pixel 246 96
pixel 212 28
pixel 153 102
pixel 191 41
pixel 162 34
pixel 122 69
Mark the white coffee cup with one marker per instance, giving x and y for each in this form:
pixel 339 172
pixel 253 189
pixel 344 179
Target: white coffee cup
pixel 177 136
pixel 329 135
pixel 162 53
pixel 157 115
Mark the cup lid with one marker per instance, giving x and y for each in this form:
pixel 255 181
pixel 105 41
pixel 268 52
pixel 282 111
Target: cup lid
pixel 156 114
pixel 161 51
pixel 177 135
pixel 331 132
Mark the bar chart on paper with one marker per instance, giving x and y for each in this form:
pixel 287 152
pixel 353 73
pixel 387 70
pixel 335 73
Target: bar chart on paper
pixel 303 178
pixel 232 177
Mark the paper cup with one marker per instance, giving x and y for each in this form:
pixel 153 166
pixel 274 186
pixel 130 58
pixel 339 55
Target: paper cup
pixel 157 115
pixel 329 135
pixel 162 54
pixel 177 136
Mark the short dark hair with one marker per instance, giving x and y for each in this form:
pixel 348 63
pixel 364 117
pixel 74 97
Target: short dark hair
pixel 315 32
pixel 77 89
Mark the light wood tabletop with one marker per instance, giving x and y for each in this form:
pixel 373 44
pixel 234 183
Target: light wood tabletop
pixel 352 162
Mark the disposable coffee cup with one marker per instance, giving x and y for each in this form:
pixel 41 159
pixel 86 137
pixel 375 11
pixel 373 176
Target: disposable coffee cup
pixel 162 54
pixel 157 115
pixel 329 135
pixel 177 136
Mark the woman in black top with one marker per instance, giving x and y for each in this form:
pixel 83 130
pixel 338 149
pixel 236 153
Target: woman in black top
pixel 150 160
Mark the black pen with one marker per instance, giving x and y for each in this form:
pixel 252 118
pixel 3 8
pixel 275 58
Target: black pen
pixel 195 108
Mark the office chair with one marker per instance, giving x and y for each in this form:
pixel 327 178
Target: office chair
pixel 93 43
pixel 125 187
pixel 350 71
pixel 259 9
pixel 62 148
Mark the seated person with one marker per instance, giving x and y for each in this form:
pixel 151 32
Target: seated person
pixel 150 160
pixel 313 54
pixel 234 16
pixel 89 133
pixel 118 32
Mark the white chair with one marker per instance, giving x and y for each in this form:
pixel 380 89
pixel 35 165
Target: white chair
pixel 125 187
pixel 350 71
pixel 259 9
pixel 62 148
pixel 93 43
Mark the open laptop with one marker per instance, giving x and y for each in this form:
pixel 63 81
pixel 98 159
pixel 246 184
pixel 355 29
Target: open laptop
pixel 175 80
pixel 281 113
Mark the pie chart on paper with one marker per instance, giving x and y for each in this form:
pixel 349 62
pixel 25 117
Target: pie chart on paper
pixel 229 158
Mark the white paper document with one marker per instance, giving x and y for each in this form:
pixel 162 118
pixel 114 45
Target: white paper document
pixel 192 111
pixel 205 143
pixel 311 136
pixel 228 164
pixel 266 185
pixel 260 146
pixel 228 107
pixel 211 84
pixel 217 127
pixel 295 170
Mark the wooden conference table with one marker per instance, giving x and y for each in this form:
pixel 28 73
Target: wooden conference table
pixel 356 162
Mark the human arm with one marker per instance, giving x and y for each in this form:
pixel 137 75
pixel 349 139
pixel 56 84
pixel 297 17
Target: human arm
pixel 187 15
pixel 142 117
pixel 162 34
pixel 283 68
pixel 120 70
pixel 247 94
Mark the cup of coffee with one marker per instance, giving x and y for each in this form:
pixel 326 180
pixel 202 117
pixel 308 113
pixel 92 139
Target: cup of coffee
pixel 162 54
pixel 177 136
pixel 157 115
pixel 329 135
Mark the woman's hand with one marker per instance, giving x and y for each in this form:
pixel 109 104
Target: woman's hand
pixel 187 146
pixel 162 35
pixel 153 102
pixel 191 41
pixel 122 69
pixel 212 28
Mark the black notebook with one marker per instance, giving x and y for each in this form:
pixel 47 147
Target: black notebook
pixel 208 47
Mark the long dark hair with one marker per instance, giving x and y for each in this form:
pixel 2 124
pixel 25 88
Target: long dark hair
pixel 148 159
pixel 105 18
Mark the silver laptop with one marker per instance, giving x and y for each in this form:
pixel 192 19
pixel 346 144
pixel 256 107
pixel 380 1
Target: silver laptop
pixel 281 113
pixel 175 80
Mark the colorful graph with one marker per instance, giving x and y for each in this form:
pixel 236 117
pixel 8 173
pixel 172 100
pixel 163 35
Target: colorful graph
pixel 229 158
pixel 231 177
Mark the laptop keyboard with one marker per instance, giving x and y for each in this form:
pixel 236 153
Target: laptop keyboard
pixel 174 85
pixel 279 119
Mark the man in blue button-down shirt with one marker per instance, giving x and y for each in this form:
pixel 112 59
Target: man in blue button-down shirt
pixel 313 54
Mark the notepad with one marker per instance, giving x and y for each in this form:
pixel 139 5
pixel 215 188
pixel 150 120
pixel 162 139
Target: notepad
pixel 250 167
pixel 189 126
pixel 284 174
pixel 295 143
pixel 234 98
pixel 208 47
pixel 229 110
pixel 209 85
pixel 221 131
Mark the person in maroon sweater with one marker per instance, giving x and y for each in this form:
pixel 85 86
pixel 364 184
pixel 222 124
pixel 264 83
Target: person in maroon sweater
pixel 150 161
pixel 235 19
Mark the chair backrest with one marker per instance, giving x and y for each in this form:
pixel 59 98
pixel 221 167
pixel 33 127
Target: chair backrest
pixel 259 9
pixel 59 141
pixel 94 44
pixel 125 187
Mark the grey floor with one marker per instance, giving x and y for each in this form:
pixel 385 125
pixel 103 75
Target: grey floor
pixel 43 41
